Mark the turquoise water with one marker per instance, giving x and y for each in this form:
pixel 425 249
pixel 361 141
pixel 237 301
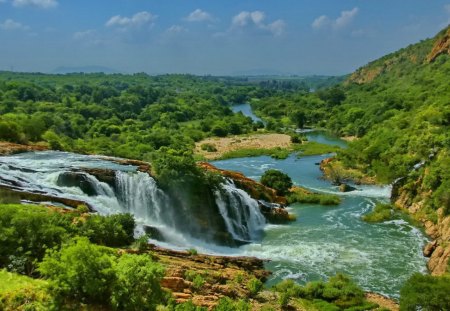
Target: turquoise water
pixel 246 110
pixel 326 240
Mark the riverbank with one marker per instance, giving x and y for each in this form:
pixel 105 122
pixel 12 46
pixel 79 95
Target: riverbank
pixel 7 148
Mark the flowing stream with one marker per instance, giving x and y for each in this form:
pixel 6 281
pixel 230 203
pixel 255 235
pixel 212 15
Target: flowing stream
pixel 327 240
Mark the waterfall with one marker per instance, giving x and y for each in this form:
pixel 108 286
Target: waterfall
pixel 173 216
pixel 240 212
pixel 139 195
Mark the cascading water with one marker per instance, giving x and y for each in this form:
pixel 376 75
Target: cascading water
pixel 173 220
pixel 240 212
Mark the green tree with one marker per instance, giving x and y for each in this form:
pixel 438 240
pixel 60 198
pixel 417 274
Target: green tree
pixel 80 272
pixel 425 292
pixel 277 180
pixel 137 284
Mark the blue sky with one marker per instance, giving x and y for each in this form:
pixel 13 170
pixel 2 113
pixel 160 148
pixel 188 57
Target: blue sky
pixel 219 37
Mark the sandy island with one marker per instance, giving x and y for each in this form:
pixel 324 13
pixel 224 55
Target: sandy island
pixel 227 144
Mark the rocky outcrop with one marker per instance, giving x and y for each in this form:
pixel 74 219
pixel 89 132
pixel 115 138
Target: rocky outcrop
pixel 334 171
pixel 412 198
pixel 22 195
pixel 7 148
pixel 343 187
pixel 441 46
pixel 274 213
pixel 270 204
pixel 255 189
pixel 221 275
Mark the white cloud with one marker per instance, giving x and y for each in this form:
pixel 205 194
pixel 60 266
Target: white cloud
pixel 10 24
pixel 321 22
pixel 346 17
pixel 80 35
pixel 174 29
pixel 44 4
pixel 256 19
pixel 137 20
pixel 199 16
pixel 447 8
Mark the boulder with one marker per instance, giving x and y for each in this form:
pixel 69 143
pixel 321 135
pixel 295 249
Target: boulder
pixel 346 188
pixel 77 179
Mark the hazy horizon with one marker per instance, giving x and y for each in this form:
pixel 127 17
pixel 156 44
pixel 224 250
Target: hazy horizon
pixel 250 37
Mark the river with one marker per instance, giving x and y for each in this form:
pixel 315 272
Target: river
pixel 327 240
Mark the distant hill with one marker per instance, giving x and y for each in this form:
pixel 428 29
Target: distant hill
pixel 84 69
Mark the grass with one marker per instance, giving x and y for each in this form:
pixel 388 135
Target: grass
pixel 19 292
pixel 300 195
pixel 314 148
pixel 277 153
pixel 381 212
pixel 306 149
pixel 12 281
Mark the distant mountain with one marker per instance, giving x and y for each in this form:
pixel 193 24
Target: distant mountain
pixel 84 69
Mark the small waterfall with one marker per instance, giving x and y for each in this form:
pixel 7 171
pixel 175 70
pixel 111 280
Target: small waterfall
pixel 240 212
pixel 140 196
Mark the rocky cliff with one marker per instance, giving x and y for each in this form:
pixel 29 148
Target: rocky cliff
pixel 441 46
pixel 411 197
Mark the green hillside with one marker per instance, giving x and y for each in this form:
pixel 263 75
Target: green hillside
pixel 400 107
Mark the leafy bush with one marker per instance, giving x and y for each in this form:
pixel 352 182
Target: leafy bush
pixel 287 289
pixel 425 292
pixel 198 281
pixel 226 304
pixel 254 286
pixel 137 284
pixel 80 272
pixel 112 230
pixel 277 180
pixel 380 213
pixel 208 147
pixel 313 198
pixel 188 306
pixel 27 231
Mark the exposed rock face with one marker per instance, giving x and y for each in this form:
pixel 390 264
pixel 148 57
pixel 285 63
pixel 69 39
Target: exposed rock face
pixel 77 179
pixel 270 204
pixel 222 275
pixel 255 189
pixel 7 148
pixel 346 188
pixel 441 46
pixel 273 212
pixel 412 199
pixel 42 197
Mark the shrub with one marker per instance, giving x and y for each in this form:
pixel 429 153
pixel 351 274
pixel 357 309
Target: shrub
pixel 112 230
pixel 208 147
pixel 198 281
pixel 287 289
pixel 277 180
pixel 227 304
pixel 254 286
pixel 137 285
pixel 80 272
pixel 189 306
pixel 380 213
pixel 27 231
pixel 425 292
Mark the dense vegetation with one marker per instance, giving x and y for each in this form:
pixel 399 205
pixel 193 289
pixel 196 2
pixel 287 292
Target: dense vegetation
pixel 77 269
pixel 277 180
pixel 128 116
pixel 397 106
